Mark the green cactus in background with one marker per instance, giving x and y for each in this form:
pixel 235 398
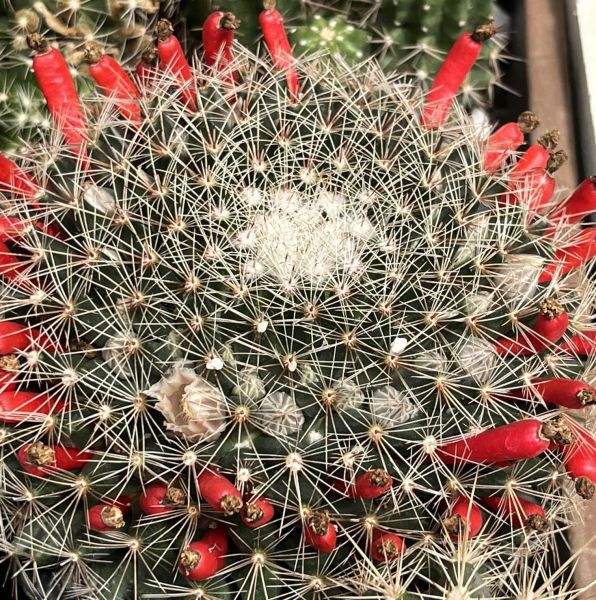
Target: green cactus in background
pixel 332 36
pixel 409 36
pixel 235 344
pixel 311 31
pixel 125 27
pixel 405 35
pixel 414 36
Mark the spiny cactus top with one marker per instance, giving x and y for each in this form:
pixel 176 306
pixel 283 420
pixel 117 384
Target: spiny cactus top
pixel 288 331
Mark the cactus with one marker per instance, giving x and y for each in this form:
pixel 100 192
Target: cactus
pixel 123 27
pixel 413 36
pixel 273 347
pixel 311 30
pixel 333 37
pixel 414 41
pixel 405 35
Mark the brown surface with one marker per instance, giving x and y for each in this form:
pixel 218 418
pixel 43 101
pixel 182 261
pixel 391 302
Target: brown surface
pixel 581 535
pixel 550 97
pixel 548 77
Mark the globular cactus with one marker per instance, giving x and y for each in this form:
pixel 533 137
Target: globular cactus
pixel 123 26
pixel 276 329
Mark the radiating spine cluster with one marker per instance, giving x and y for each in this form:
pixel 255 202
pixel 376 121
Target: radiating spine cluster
pixel 272 328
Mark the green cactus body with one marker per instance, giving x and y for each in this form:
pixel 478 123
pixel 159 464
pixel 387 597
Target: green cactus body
pixel 280 311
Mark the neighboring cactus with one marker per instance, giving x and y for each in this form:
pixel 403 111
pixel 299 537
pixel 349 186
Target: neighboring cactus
pixel 405 37
pixel 333 37
pixel 123 26
pixel 413 36
pixel 310 31
pixel 409 36
pixel 240 347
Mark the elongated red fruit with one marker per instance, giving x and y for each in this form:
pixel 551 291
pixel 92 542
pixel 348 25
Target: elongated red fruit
pixel 519 511
pixel 114 82
pixel 21 406
pixel 217 539
pixel 515 441
pixel 372 484
pixel 55 82
pixel 105 517
pixel 464 520
pixel 580 462
pixel 257 512
pixel 272 25
pixel 508 138
pixel 42 460
pixel 160 499
pixel 387 546
pixel 542 192
pixel 13 229
pixel 124 503
pixel 146 70
pixel 14 337
pixel 15 182
pixel 172 60
pixel 569 393
pixel 319 532
pixel 198 561
pixel 574 254
pixel 581 466
pixel 457 64
pixel 544 188
pixel 219 493
pixel 549 328
pixel 580 344
pixel 529 182
pixel 534 188
pixel 8 381
pixel 536 157
pixel 581 203
pixel 218 38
